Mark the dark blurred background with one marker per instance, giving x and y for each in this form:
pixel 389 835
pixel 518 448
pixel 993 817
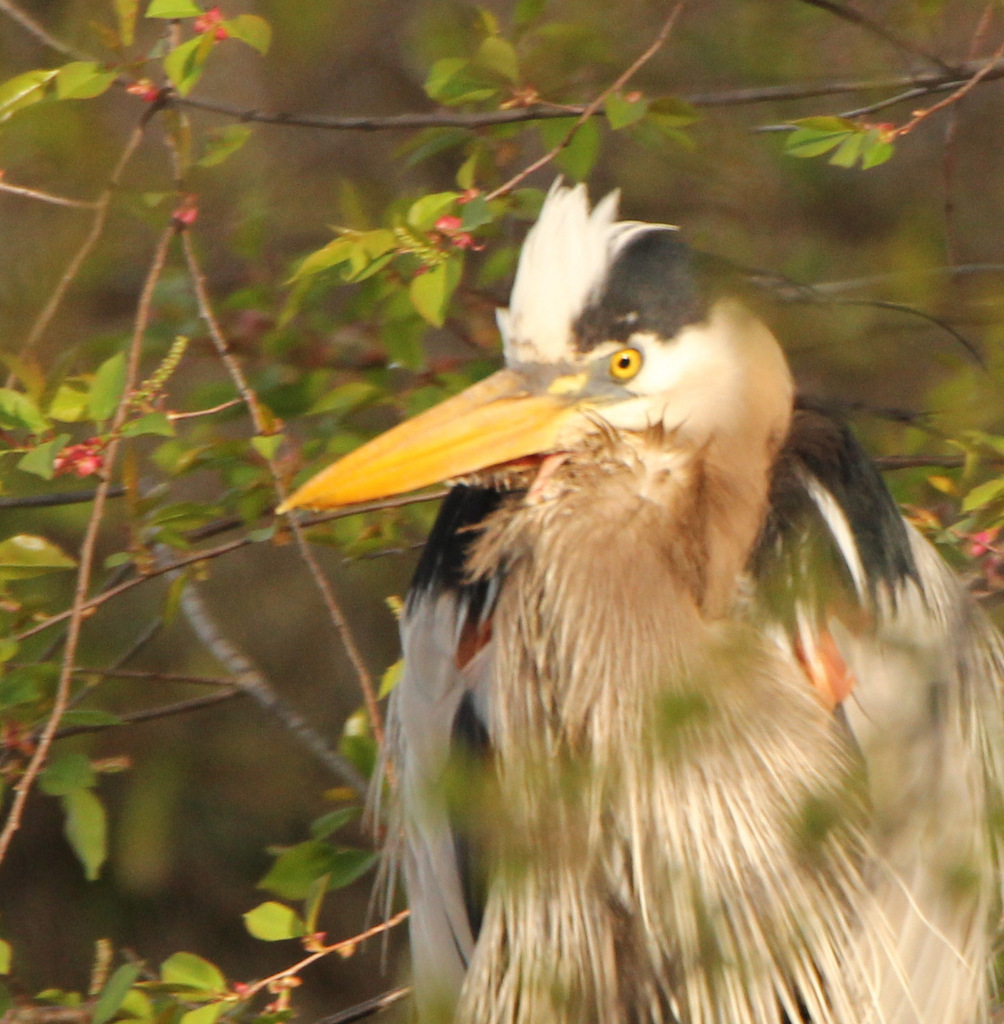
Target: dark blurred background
pixel 208 792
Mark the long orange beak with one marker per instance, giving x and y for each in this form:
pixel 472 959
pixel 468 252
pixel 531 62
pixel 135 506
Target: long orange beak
pixel 492 422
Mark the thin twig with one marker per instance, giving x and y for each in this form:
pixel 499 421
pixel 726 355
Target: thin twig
pixel 180 707
pixel 33 28
pixel 208 554
pixel 964 89
pixel 175 416
pixel 251 680
pixel 59 498
pixel 591 108
pixel 368 1008
pixel 87 551
pixel 47 197
pixel 855 17
pixel 262 426
pixel 345 947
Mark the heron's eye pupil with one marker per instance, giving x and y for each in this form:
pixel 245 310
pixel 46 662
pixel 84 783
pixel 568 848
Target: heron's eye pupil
pixel 625 364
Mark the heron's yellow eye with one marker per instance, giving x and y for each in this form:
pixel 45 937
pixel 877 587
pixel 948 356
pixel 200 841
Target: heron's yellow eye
pixel 625 363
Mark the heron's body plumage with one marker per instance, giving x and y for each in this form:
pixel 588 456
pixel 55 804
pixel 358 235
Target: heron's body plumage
pixel 692 728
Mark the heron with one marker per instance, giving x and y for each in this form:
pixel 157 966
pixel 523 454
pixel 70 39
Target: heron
pixel 693 726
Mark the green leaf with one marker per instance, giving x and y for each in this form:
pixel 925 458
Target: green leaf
pixel 250 29
pixel 424 212
pixel 24 685
pixel 273 922
pixel 5 956
pixel 113 993
pixel 348 865
pixel 155 423
pixel 337 251
pixel 345 398
pixel 326 824
pixel 173 9
pixel 296 868
pixel 430 293
pixel 672 112
pixel 41 459
pixel 24 90
pixel 877 151
pixel 107 388
pixel 848 152
pixel 207 1014
pixel 125 12
pixel 814 136
pixel 266 445
pixel 497 54
pixel 193 972
pixel 183 65
pixel 455 80
pixel 69 404
pixel 83 80
pixel 475 214
pixel 578 157
pixel 87 829
pixel 983 494
pixel 26 555
pixel 19 412
pixel 8 648
pixel 222 142
pixel 621 111
pixel 391 678
pixel 67 772
pixel 137 1006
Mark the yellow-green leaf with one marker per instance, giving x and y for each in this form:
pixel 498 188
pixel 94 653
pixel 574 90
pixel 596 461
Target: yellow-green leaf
pixel 183 65
pixel 83 80
pixel 66 772
pixel 23 90
pixel 431 292
pixel 19 412
pixel 423 213
pixel 107 387
pixel 26 555
pixel 266 445
pixel 273 922
pixel 622 111
pixel 69 404
pixel 497 54
pixel 125 12
pixel 41 460
pixel 983 494
pixel 222 142
pixel 5 956
pixel 250 29
pixel 193 972
pixel 173 9
pixel 207 1014
pixel 87 830
pixel 391 677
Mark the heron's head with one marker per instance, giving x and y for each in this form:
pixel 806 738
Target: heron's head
pixel 611 324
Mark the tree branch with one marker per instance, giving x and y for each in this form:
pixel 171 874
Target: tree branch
pixel 251 680
pixel 88 546
pixel 855 17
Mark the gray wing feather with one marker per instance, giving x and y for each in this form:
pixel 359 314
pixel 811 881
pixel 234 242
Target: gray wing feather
pixel 422 711
pixel 926 713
